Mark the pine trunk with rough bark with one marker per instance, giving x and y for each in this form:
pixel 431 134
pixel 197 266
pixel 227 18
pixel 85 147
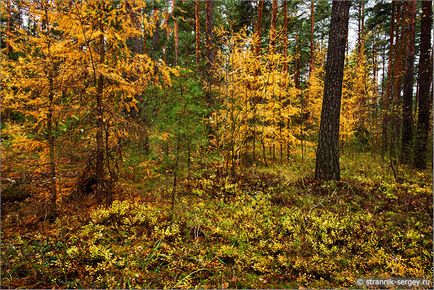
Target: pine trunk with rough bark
pixel 395 112
pixel 407 104
pixel 258 27
pixel 273 26
pixel 425 85
pixel 327 156
pixel 387 96
pixel 312 31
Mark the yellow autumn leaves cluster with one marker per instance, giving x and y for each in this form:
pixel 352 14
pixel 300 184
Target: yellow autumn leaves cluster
pixel 50 76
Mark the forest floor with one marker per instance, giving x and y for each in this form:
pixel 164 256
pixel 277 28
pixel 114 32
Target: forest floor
pixel 274 227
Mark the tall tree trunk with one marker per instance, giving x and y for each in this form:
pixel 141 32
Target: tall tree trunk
pixel 209 25
pixel 176 34
pixel 51 142
pixel 297 63
pixel 374 73
pixel 285 68
pixel 197 29
pixel 312 32
pixel 390 78
pixel 258 27
pixel 361 25
pixel 8 28
pixel 285 84
pixel 137 45
pixel 99 118
pixel 256 50
pixel 156 36
pixel 407 104
pixel 175 31
pixel 50 131
pixel 273 26
pixel 285 37
pixel 327 157
pixel 425 85
pixel 399 53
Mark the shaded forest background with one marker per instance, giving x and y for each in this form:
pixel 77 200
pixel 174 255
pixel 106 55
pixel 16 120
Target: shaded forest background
pixel 173 144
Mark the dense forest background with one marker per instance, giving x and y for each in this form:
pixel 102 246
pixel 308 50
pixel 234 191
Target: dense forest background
pixel 215 144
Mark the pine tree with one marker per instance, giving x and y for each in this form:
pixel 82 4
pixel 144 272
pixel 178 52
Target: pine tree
pixel 425 87
pixel 407 104
pixel 327 159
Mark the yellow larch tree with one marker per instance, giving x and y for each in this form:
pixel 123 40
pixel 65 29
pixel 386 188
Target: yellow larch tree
pixel 255 101
pixel 79 59
pixel 32 88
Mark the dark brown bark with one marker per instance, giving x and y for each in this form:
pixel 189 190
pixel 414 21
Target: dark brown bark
pixel 256 50
pixel 209 25
pixel 99 119
pixel 8 27
pixel 312 31
pixel 197 29
pixel 273 26
pixel 175 31
pixel 297 63
pixel 285 70
pixel 258 27
pixel 50 131
pixel 285 36
pixel 407 104
pixel 425 85
pixel 137 45
pixel 375 68
pixel 327 157
pixel 176 34
pixel 361 24
pixel 390 78
pixel 156 36
pixel 395 112
pixel 51 142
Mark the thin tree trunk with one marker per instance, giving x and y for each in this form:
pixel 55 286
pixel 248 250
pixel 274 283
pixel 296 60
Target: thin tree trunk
pixel 389 87
pixel 286 71
pixel 176 32
pixel 395 119
pixel 8 28
pixel 361 24
pixel 297 62
pixel 312 32
pixel 109 184
pixel 273 26
pixel 99 119
pixel 209 25
pixel 407 104
pixel 258 27
pixel 50 131
pixel 257 47
pixel 297 74
pixel 425 85
pixel 156 36
pixel 175 176
pixel 51 143
pixel 327 157
pixel 197 29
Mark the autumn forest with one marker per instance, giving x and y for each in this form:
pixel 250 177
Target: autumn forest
pixel 216 144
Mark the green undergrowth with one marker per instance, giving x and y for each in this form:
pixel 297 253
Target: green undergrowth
pixel 263 231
